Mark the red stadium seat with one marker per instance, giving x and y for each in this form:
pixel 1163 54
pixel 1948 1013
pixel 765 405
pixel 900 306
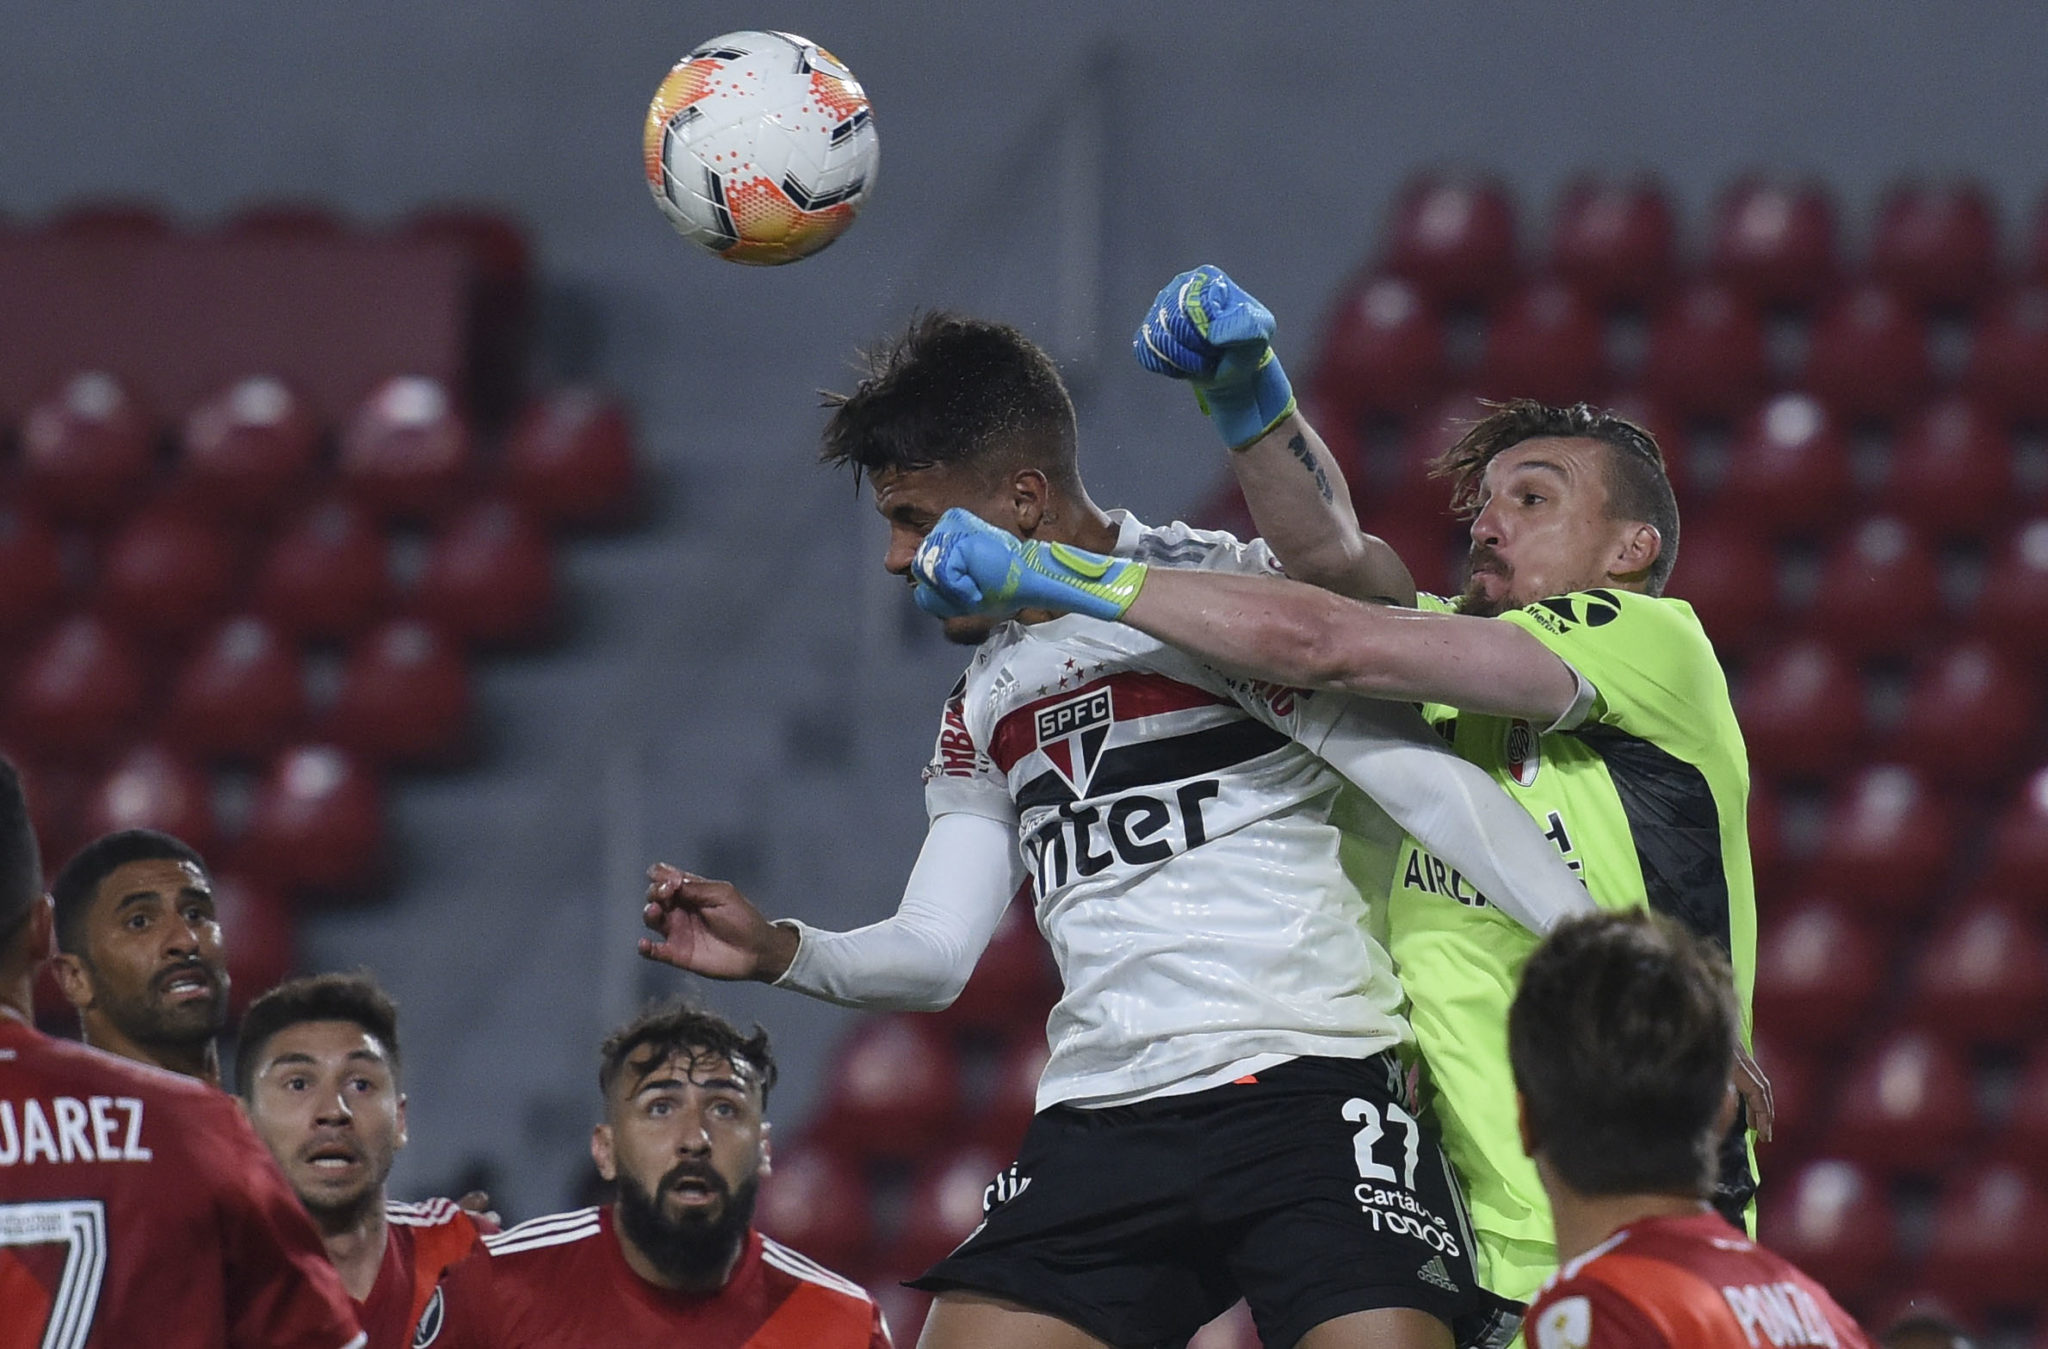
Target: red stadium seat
pixel 817 1201
pixel 1951 471
pixel 249 449
pixel 2008 365
pixel 1729 576
pixel 1613 240
pixel 1961 689
pixel 1801 711
pixel 1788 471
pixel 2025 1138
pixel 328 575
pixel 570 461
pixel 946 1203
pixel 1869 354
pixel 152 788
pixel 240 695
pixel 500 299
pixel 894 1090
pixel 2019 842
pixel 1833 1221
pixel 1775 242
pixel 1546 343
pixel 1014 983
pixel 88 451
pixel 1888 839
pixel 287 220
pixel 56 803
pixel 1766 836
pixel 1817 968
pixel 316 823
pixel 404 697
pixel 1880 590
pixel 257 928
pixel 32 581
pixel 1706 353
pixel 1454 239
pixel 110 221
pixel 406 452
pixel 2011 612
pixel 490 577
pixel 167 573
pixel 1012 1098
pixel 1904 1107
pixel 79 692
pixel 1937 245
pixel 1982 977
pixel 1384 354
pixel 1986 1250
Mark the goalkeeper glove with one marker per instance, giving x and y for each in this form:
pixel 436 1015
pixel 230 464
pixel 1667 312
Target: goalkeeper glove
pixel 968 566
pixel 1204 328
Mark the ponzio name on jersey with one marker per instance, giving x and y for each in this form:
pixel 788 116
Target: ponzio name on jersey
pixel 1136 829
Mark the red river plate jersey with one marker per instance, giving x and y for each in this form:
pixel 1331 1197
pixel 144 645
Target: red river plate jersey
pixel 137 1207
pixel 1692 1281
pixel 1176 830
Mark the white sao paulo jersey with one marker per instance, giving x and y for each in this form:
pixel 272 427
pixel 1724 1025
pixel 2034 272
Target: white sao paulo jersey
pixel 1175 827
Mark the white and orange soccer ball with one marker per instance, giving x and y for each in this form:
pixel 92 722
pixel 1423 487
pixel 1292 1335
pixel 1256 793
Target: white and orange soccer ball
pixel 760 147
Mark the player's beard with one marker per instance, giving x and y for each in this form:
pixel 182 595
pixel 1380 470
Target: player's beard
pixel 1474 600
pixel 151 1019
pixel 692 1250
pixel 972 630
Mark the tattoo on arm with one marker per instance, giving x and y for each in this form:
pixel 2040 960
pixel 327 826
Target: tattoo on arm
pixel 1299 446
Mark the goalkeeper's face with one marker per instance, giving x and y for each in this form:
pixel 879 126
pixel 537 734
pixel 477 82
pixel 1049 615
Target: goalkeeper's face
pixel 912 500
pixel 1543 528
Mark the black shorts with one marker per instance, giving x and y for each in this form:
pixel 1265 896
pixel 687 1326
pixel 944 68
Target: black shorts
pixel 1312 1191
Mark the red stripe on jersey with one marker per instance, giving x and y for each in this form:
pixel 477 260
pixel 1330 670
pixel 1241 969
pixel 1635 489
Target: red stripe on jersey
pixel 1134 694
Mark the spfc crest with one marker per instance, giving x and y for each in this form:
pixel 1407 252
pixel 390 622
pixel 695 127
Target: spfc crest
pixel 1071 735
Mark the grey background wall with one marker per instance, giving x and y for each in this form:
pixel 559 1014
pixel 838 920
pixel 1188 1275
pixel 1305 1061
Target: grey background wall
pixel 745 693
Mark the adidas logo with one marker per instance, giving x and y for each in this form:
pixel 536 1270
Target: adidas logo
pixel 1435 1273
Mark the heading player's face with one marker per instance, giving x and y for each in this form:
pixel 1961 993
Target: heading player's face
pixel 912 500
pixel 153 954
pixel 1542 527
pixel 327 1105
pixel 687 1145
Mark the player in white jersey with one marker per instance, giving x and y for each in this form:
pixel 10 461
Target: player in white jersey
pixel 1223 1113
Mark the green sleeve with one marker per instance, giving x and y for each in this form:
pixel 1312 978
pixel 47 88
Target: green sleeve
pixel 1654 674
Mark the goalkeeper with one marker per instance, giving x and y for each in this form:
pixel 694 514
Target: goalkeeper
pixel 1596 702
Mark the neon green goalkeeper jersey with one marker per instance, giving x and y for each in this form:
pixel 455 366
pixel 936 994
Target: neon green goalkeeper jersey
pixel 1646 797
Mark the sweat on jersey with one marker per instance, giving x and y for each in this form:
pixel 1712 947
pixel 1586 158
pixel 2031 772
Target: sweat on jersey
pixel 1175 829
pixel 1646 798
pixel 137 1207
pixel 1685 1283
pixel 562 1282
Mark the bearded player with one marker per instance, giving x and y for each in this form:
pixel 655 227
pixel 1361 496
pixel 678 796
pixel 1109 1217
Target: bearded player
pixel 1622 1039
pixel 1593 701
pixel 140 951
pixel 318 1072
pixel 675 1260
pixel 136 1207
pixel 1223 1112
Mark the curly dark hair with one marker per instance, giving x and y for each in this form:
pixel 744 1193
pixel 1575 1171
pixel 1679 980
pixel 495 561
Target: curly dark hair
pixel 954 390
pixel 675 1027
pixel 1638 487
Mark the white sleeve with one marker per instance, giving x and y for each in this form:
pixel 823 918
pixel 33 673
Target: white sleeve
pixel 919 959
pixel 1451 807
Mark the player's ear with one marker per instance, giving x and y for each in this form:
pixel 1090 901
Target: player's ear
pixel 766 1165
pixel 1638 551
pixel 601 1152
pixel 401 1140
pixel 1029 497
pixel 74 980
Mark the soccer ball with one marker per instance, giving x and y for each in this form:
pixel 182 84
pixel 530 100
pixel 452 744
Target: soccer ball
pixel 760 147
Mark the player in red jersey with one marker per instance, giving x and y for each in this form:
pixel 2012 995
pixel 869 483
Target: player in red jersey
pixel 675 1259
pixel 318 1071
pixel 136 1206
pixel 1622 1040
pixel 141 955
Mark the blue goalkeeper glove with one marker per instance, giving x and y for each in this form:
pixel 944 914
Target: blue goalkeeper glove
pixel 1204 328
pixel 968 566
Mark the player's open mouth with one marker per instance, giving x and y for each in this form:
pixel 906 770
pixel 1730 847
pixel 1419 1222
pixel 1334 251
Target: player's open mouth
pixel 188 986
pixel 692 1192
pixel 332 1157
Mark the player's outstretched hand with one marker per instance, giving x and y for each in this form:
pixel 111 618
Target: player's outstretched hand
pixel 1206 329
pixel 968 566
pixel 1755 1090
pixel 709 928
